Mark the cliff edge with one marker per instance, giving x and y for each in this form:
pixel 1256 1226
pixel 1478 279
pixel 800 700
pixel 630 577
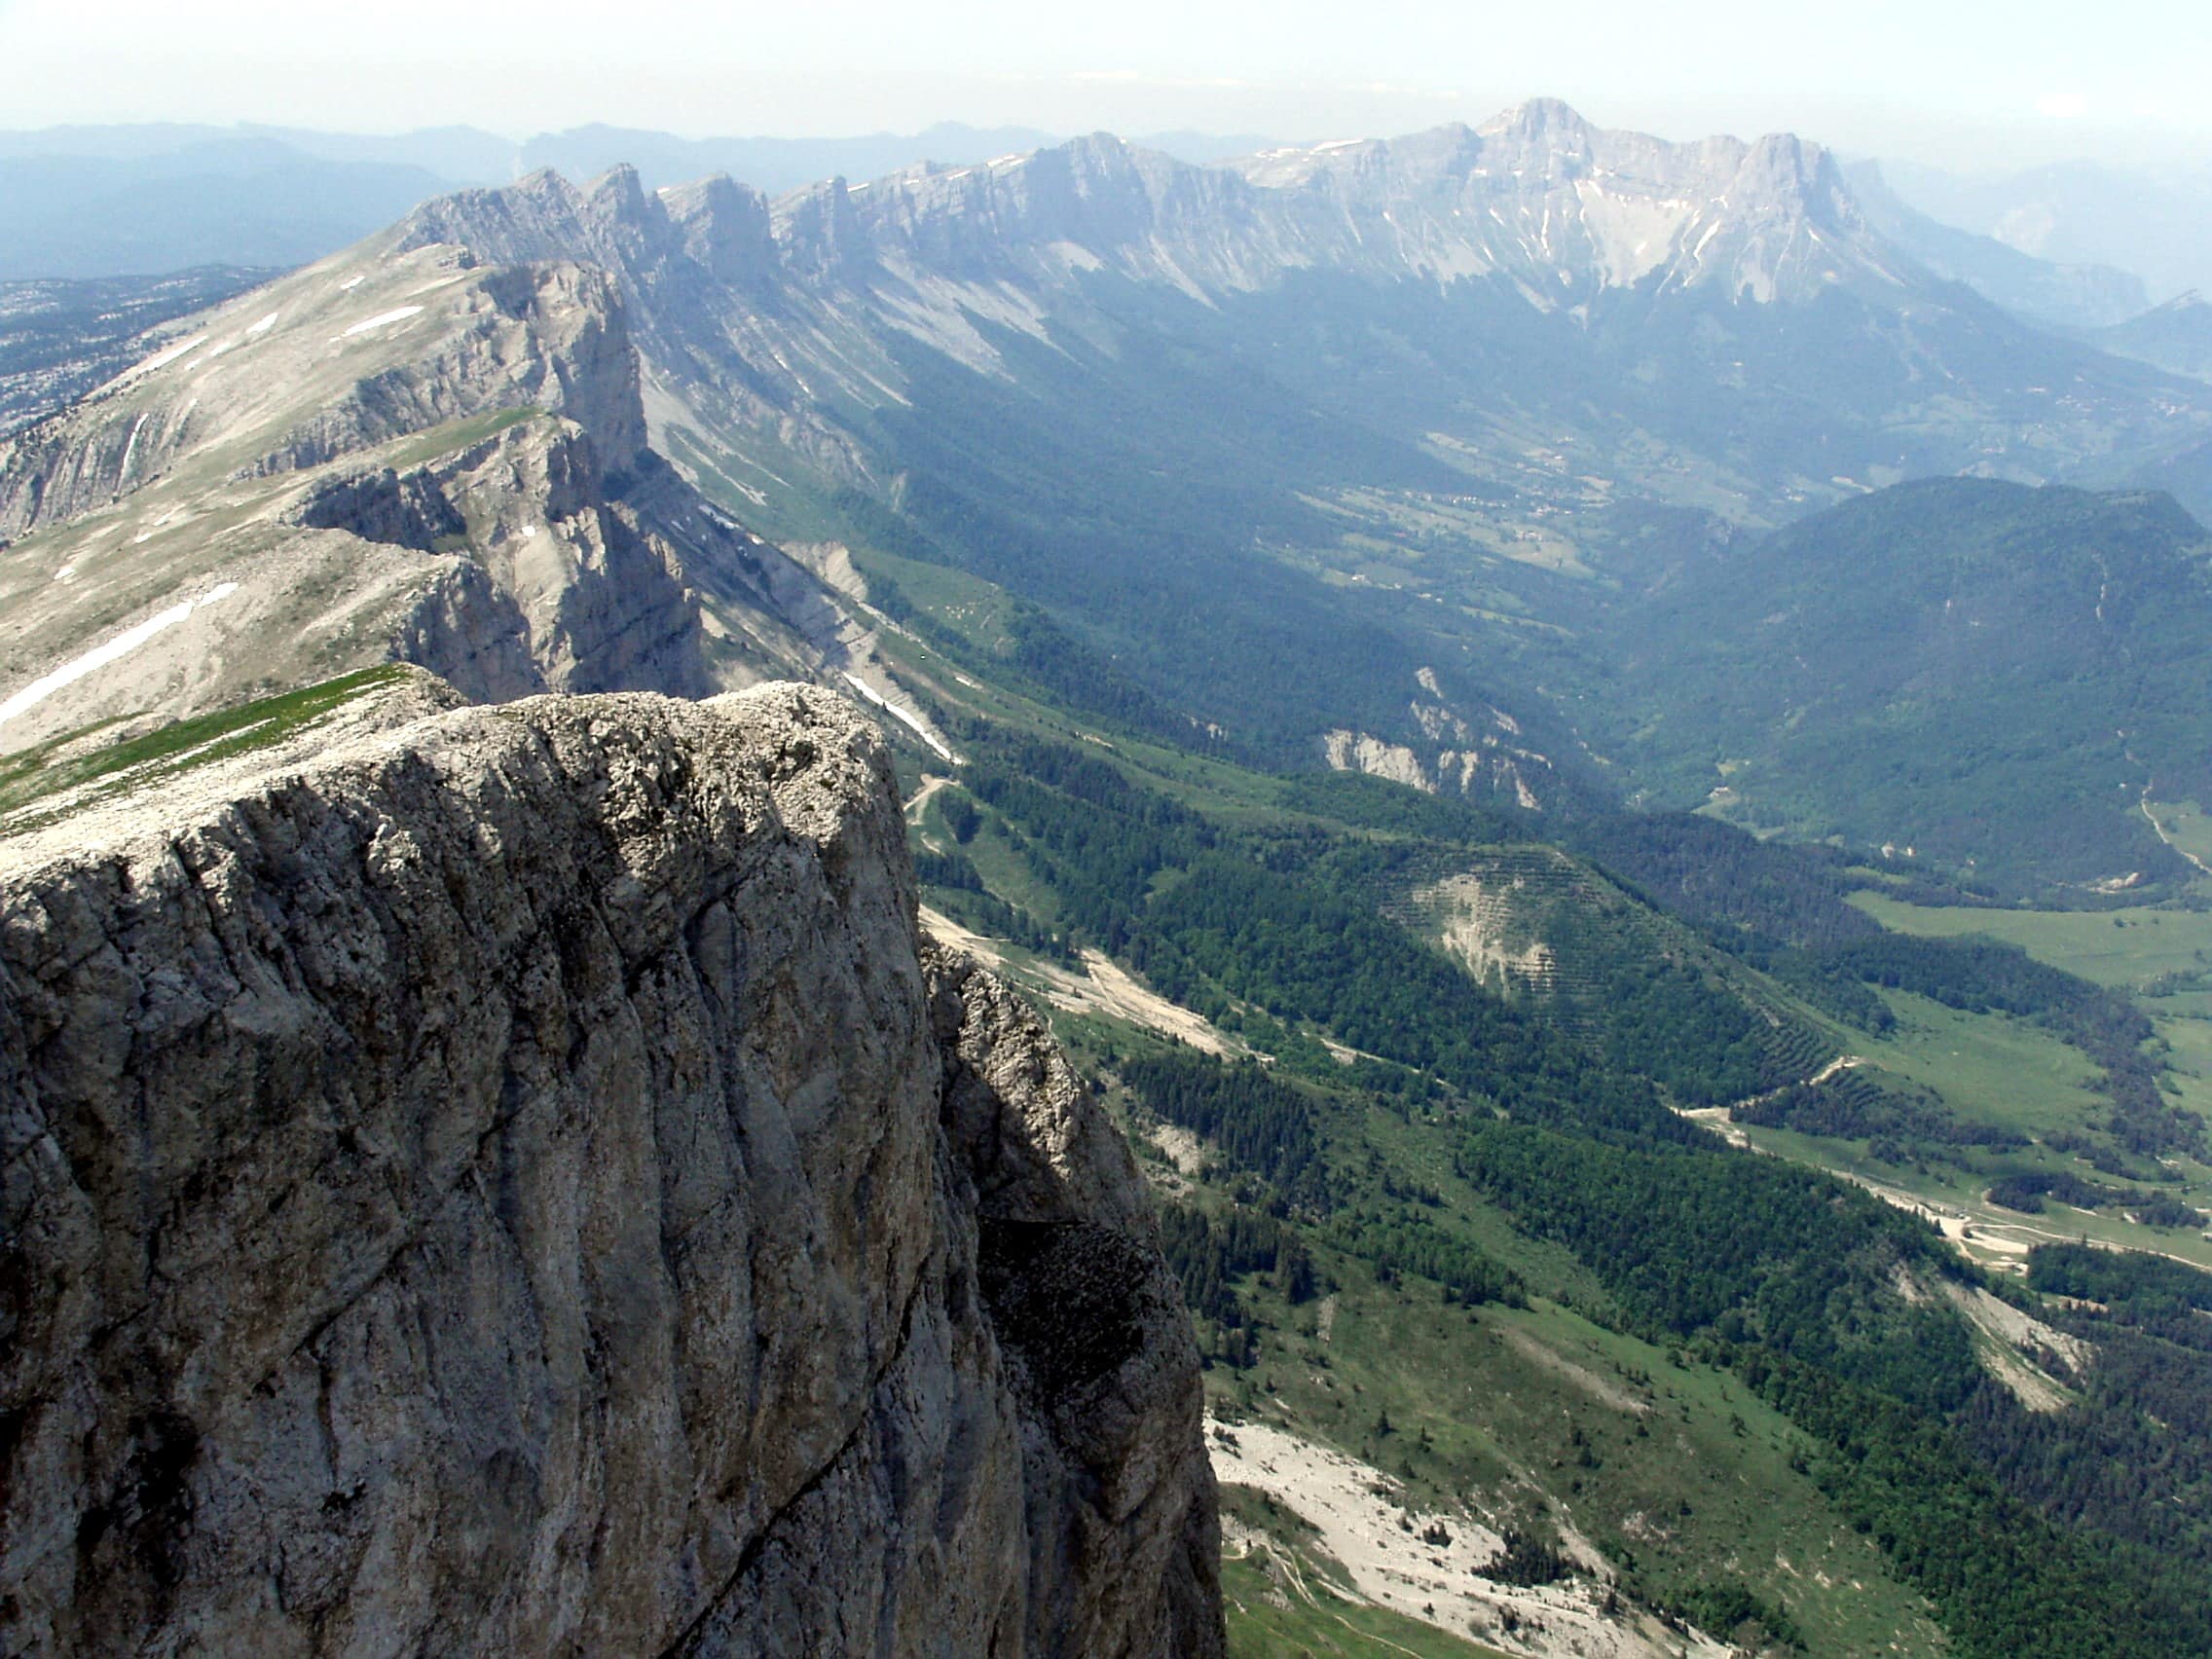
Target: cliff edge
pixel 521 1182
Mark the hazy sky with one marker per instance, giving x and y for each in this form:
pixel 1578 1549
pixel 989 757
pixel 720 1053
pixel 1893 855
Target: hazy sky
pixel 1944 78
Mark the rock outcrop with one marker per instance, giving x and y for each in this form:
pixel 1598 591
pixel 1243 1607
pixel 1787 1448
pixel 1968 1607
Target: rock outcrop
pixel 326 376
pixel 425 459
pixel 595 586
pixel 521 1183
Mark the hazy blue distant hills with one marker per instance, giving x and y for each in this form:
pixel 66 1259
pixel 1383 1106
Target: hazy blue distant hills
pixel 86 201
pixel 235 201
pixel 2070 296
pixel 460 155
pixel 2080 213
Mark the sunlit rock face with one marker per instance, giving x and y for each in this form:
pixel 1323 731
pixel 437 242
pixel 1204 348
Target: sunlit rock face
pixel 519 1182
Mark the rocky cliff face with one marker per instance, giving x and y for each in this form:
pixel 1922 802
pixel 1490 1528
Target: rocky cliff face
pixel 420 457
pixel 521 1183
pixel 316 367
pixel 595 586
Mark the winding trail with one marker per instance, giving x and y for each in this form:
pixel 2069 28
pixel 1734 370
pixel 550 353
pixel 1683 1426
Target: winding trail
pixel 1723 1117
pixel 930 784
pixel 2159 830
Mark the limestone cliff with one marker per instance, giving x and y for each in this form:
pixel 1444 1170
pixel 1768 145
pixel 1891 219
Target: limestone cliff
pixel 521 1183
pixel 423 458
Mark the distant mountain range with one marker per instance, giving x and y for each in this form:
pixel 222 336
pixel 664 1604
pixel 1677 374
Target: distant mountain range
pixel 469 154
pixel 2042 291
pixel 2175 336
pixel 98 202
pixel 2157 227
pixel 234 201
pixel 2081 247
pixel 1525 265
pixel 1365 452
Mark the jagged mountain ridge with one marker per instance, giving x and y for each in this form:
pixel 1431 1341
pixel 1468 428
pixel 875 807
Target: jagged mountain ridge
pixel 1555 210
pixel 1178 406
pixel 1711 325
pixel 1108 380
pixel 1562 208
pixel 1538 197
pixel 1752 218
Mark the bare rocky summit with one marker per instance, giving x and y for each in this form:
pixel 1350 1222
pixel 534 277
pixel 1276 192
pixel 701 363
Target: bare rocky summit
pixel 520 1181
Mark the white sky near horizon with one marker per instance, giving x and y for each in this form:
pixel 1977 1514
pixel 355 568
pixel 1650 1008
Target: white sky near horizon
pixel 1957 82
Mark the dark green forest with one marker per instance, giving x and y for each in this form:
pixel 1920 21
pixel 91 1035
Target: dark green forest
pixel 2016 1525
pixel 1988 673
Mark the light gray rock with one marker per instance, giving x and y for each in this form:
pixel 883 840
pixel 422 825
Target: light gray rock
pixel 417 457
pixel 520 1184
pixel 305 392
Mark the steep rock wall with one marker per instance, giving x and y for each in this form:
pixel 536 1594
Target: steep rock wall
pixel 521 1183
pixel 553 336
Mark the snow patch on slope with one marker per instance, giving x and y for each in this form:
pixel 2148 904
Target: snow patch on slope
pixel 109 650
pixel 169 354
pixel 920 726
pixel 399 314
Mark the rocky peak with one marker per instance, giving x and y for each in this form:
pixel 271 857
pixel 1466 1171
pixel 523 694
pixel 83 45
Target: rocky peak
pixel 611 223
pixel 1566 210
pixel 544 189
pixel 1541 124
pixel 725 228
pixel 819 232
pixel 1099 188
pixel 534 218
pixel 1092 162
pixel 618 196
pixel 1784 170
